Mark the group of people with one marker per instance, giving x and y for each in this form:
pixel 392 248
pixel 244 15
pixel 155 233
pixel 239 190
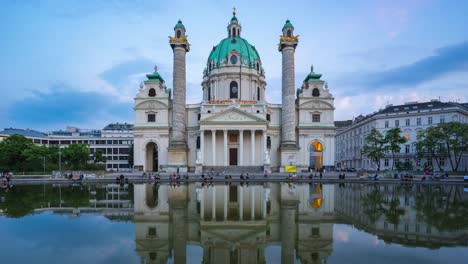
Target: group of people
pixel 6 180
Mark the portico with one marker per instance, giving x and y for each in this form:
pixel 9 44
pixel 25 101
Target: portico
pixel 238 136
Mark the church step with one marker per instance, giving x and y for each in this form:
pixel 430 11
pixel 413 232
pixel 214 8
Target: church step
pixel 233 169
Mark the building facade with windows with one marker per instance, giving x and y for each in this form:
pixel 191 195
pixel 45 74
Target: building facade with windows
pixel 411 118
pixel 114 141
pixel 233 125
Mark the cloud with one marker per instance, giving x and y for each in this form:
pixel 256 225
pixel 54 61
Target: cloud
pixel 120 73
pixel 62 105
pixel 445 60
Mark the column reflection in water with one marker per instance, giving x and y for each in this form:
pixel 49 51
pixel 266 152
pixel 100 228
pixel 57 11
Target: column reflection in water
pixel 236 223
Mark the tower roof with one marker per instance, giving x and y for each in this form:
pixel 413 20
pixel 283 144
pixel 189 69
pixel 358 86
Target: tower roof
pixel 179 25
pixel 287 24
pixel 154 77
pixel 312 76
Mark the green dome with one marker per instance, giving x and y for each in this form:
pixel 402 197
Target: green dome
pixel 287 24
pixel 247 52
pixel 179 25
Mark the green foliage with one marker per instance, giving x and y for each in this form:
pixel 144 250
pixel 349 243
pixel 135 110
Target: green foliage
pixel 99 157
pixel 76 156
pixel 446 140
pixel 374 147
pixel 393 140
pixel 11 149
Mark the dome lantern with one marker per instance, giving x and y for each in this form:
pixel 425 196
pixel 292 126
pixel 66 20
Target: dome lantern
pixel 234 28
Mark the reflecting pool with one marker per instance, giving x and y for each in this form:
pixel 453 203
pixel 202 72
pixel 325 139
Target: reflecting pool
pixel 234 223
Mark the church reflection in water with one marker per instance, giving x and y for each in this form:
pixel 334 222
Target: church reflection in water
pixel 237 224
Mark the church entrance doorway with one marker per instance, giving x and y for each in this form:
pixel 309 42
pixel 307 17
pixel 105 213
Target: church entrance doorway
pixel 233 156
pixel 316 155
pixel 152 162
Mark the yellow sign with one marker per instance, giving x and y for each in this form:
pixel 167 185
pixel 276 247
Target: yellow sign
pixel 289 168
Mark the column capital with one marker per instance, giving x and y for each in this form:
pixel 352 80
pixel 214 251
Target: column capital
pixel 213 130
pixel 225 131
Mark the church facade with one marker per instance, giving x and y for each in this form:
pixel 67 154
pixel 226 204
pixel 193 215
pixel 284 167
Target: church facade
pixel 234 126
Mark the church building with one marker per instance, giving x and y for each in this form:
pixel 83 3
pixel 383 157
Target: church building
pixel 234 127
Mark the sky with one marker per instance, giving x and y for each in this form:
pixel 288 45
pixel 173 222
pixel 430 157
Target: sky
pixel 80 62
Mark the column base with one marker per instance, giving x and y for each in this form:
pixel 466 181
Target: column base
pixel 289 155
pixel 177 158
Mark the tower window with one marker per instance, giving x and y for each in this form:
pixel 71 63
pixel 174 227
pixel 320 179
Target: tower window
pixel 315 92
pixel 258 93
pixel 288 33
pixel 316 118
pixel 209 93
pixel 178 34
pixel 152 92
pixel 258 66
pixel 233 89
pixel 268 117
pixel 268 142
pixel 198 143
pixel 233 59
pixel 151 117
pixel 233 32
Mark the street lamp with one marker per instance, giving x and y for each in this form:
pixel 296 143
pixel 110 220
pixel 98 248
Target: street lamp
pixel 60 162
pixel 43 159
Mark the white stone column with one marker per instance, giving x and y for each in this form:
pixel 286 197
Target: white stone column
pixel 252 146
pixel 213 147
pixel 241 146
pixel 264 144
pixel 202 145
pixel 225 148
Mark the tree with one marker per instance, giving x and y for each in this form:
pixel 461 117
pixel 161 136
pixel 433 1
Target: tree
pixel 11 150
pixel 393 140
pixel 99 157
pixel 374 147
pixel 446 140
pixel 36 156
pixel 76 155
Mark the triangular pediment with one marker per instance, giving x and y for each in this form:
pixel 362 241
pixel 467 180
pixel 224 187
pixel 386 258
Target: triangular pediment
pixel 233 115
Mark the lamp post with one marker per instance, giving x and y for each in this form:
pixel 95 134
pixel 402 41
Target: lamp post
pixel 60 162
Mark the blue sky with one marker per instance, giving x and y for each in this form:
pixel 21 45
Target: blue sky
pixel 80 62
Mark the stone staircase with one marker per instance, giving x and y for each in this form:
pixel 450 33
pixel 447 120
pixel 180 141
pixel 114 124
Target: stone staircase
pixel 234 169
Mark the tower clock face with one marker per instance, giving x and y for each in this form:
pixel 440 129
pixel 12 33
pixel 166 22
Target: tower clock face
pixel 233 59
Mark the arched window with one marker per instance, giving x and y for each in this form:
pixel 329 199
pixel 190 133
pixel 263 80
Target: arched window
pixel 233 32
pixel 258 66
pixel 238 32
pixel 233 88
pixel 288 33
pixel 209 93
pixel 178 33
pixel 258 93
pixel 315 92
pixel 152 92
pixel 268 142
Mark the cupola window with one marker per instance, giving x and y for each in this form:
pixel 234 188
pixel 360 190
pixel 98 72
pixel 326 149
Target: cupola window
pixel 288 33
pixel 152 92
pixel 233 90
pixel 258 93
pixel 233 59
pixel 315 92
pixel 233 32
pixel 178 34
